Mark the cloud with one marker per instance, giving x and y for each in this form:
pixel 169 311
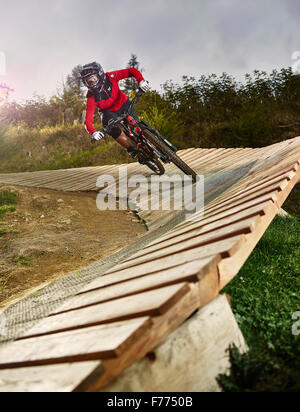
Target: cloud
pixel 43 41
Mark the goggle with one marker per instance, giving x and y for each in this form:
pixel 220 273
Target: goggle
pixel 92 81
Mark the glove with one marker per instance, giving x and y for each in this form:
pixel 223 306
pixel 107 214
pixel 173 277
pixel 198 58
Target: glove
pixel 144 86
pixel 97 136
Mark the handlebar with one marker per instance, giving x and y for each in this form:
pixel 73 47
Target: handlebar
pixel 112 123
pixel 136 99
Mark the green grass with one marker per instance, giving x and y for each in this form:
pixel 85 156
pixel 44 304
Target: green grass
pixel 21 260
pixel 59 147
pixel 264 296
pixel 6 209
pixel 7 199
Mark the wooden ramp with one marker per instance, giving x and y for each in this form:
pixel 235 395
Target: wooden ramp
pixel 135 308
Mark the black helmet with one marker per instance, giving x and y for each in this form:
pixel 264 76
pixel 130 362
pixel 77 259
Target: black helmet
pixel 92 75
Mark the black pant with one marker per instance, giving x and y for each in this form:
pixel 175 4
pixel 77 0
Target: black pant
pixel 108 115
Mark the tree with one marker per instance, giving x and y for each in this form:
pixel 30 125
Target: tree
pixel 74 81
pixel 130 84
pixel 71 99
pixel 4 93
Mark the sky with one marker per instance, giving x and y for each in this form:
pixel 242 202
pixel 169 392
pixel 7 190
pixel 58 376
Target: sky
pixel 41 41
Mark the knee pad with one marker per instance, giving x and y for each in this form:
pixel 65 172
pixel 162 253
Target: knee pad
pixel 115 132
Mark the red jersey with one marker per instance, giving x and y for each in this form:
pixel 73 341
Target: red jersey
pixel 109 97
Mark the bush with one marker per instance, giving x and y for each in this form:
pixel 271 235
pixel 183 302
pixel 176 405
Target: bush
pixel 212 111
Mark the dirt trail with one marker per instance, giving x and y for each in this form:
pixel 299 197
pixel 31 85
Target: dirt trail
pixel 53 233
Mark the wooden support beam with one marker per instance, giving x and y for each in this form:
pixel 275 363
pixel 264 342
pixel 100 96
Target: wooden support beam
pixel 190 359
pixel 162 326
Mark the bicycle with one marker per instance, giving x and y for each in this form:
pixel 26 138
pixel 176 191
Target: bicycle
pixel 153 149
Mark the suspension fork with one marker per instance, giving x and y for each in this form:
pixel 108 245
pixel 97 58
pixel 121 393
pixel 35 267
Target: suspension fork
pixel 135 128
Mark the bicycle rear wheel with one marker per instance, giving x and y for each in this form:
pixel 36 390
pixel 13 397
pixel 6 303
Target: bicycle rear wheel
pixel 151 161
pixel 156 166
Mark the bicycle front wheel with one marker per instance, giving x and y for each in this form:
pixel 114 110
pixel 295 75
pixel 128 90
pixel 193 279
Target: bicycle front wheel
pixel 164 149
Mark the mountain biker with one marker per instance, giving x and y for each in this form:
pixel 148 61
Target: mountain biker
pixel 105 94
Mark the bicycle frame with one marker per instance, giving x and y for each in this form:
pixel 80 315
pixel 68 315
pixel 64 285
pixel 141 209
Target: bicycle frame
pixel 125 117
pixel 152 147
pixel 132 127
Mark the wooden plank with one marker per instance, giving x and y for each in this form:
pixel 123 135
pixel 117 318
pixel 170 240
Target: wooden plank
pixel 222 157
pixel 51 378
pixel 252 206
pixel 87 344
pixel 248 184
pixel 163 325
pixel 282 196
pixel 66 179
pixel 232 197
pixel 217 154
pixel 194 161
pixel 150 303
pixel 191 272
pixel 233 160
pixel 283 161
pixel 194 157
pixel 86 375
pixel 259 186
pixel 277 187
pixel 283 213
pixel 257 180
pixel 202 228
pixel 252 179
pixel 224 248
pixel 184 153
pixel 282 171
pixel 183 269
pixel 191 358
pixel 211 153
pixel 235 205
pixel 234 229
